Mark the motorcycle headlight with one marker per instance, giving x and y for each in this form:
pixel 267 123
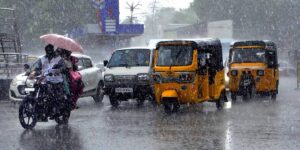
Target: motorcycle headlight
pixel 143 77
pixel 260 72
pixel 109 78
pixel 186 77
pixel 234 72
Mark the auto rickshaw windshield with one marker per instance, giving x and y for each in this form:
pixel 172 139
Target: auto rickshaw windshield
pixel 175 55
pixel 248 55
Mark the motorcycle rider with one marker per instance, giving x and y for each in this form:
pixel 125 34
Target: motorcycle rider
pixel 51 65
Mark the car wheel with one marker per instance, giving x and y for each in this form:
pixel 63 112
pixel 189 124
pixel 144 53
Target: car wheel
pixel 114 101
pixel 98 97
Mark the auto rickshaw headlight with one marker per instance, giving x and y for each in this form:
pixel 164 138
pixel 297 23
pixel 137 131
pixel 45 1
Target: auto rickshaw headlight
pixel 109 78
pixel 260 72
pixel 186 77
pixel 143 77
pixel 234 72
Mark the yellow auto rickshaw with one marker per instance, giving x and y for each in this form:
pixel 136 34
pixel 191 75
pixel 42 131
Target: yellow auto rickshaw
pixel 188 71
pixel 253 69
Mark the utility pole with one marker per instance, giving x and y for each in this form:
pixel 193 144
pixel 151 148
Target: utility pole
pixel 154 8
pixel 132 7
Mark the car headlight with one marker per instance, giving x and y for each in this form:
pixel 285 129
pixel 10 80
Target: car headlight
pixel 143 77
pixel 156 77
pixel 109 78
pixel 260 72
pixel 186 77
pixel 234 72
pixel 14 82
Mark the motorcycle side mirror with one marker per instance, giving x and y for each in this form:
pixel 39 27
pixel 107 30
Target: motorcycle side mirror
pixel 105 62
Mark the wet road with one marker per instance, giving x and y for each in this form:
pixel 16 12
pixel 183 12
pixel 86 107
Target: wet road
pixel 259 124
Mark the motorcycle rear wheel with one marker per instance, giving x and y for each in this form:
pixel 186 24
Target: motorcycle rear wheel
pixel 63 118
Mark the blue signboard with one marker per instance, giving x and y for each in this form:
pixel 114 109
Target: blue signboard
pixel 108 20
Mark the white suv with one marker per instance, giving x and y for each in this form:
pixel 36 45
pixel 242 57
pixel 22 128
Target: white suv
pixel 91 75
pixel 128 75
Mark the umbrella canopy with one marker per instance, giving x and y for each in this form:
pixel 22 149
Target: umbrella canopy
pixel 62 42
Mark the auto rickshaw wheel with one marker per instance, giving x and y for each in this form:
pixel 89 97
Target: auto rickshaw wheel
pixel 233 97
pixel 220 103
pixel 171 105
pixel 245 97
pixel 273 96
pixel 274 93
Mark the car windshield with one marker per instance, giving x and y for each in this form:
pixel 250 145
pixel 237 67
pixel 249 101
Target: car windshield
pixel 248 55
pixel 130 58
pixel 178 55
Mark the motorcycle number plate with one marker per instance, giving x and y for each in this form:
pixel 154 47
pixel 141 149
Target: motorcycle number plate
pixel 123 90
pixel 29 89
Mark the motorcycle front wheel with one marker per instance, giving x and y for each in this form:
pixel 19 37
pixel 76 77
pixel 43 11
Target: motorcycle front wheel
pixel 27 114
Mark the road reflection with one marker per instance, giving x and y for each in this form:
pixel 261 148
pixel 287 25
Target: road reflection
pixel 52 138
pixel 192 128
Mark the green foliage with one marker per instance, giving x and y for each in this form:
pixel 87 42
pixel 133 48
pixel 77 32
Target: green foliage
pixel 38 17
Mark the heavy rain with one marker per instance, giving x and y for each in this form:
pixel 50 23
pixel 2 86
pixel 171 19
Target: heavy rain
pixel 149 74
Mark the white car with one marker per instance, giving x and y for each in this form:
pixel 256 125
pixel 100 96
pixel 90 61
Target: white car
pixel 91 75
pixel 128 75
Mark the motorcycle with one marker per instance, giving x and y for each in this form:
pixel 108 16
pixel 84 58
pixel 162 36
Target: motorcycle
pixel 42 102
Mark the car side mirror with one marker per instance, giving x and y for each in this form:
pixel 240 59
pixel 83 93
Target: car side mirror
pixel 105 62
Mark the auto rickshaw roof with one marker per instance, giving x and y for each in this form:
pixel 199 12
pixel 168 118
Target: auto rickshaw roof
pixel 200 43
pixel 269 45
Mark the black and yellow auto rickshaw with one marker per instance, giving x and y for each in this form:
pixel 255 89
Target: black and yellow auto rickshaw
pixel 188 71
pixel 253 69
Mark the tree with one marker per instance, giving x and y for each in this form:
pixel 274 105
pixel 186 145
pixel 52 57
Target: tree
pixel 38 17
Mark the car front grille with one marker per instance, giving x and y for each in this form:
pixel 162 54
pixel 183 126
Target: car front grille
pixel 128 78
